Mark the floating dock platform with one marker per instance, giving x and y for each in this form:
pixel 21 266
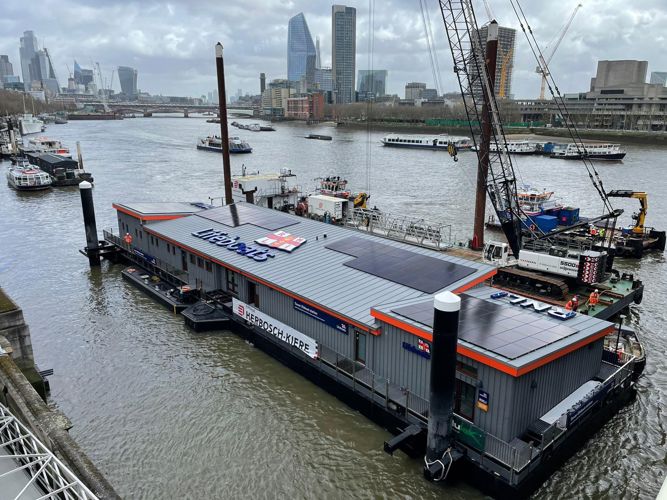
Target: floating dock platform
pixel 354 313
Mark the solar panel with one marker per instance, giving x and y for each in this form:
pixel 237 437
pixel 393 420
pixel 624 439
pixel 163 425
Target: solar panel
pixel 238 214
pixel 414 270
pixel 487 325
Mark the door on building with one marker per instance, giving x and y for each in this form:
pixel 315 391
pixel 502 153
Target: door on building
pixel 360 347
pixel 184 260
pixel 464 400
pixel 253 296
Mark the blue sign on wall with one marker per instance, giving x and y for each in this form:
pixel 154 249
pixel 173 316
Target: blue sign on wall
pixel 413 348
pixel 321 316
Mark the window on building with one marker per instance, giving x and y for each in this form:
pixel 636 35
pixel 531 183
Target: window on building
pixel 464 400
pixel 209 266
pixel 192 258
pixel 200 262
pixel 141 235
pixel 173 249
pixel 168 248
pixel 471 371
pixel 232 283
pixel 136 232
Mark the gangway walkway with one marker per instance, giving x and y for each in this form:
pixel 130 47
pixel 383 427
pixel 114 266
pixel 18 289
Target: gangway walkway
pixel 29 471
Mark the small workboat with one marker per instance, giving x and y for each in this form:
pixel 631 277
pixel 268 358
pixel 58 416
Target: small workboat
pixel 320 137
pixel 622 342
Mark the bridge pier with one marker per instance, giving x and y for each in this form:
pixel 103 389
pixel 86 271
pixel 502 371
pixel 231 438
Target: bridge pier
pixel 148 114
pixel 185 113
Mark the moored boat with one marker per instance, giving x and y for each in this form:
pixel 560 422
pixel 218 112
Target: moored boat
pixel 214 143
pixel 28 177
pixel 45 145
pixel 515 147
pixel 427 142
pixel 28 124
pixel 574 151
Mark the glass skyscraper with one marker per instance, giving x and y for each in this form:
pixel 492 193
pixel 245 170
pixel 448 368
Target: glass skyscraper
pixel 301 54
pixel 128 80
pixel 344 50
pixel 372 81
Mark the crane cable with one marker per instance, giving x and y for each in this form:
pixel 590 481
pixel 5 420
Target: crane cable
pixel 369 101
pixel 560 104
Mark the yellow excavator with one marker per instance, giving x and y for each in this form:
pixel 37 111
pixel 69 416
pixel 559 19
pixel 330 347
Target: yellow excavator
pixel 637 238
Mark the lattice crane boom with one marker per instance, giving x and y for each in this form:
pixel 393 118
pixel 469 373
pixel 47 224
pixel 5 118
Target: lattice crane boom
pixel 477 90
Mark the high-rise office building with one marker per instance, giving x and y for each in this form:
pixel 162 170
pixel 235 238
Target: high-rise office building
pixel 657 77
pixel 6 68
pixel 262 83
pixel 27 52
pixel 414 90
pixel 504 60
pixel 301 55
pixel 343 51
pixel 324 79
pixel 318 59
pixel 372 82
pixel 42 74
pixel 82 76
pixel 128 80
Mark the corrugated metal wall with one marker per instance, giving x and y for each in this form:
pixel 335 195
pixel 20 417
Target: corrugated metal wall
pixel 281 307
pixel 542 389
pixel 400 366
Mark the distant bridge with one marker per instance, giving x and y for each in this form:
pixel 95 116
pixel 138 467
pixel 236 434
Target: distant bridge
pixel 148 109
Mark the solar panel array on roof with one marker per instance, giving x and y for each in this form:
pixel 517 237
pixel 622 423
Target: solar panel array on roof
pixel 415 270
pixel 507 331
pixel 238 214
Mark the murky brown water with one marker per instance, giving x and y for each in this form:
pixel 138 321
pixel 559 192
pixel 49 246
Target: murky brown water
pixel 166 413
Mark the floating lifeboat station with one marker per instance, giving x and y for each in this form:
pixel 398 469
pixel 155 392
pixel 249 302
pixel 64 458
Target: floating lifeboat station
pixel 467 377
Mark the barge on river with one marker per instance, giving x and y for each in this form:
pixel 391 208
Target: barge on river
pixel 354 313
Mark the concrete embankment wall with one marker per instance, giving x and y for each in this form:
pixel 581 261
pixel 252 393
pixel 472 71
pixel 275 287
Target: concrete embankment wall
pixel 615 136
pixel 50 426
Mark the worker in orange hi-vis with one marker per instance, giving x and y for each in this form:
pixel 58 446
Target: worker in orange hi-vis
pixel 572 304
pixel 128 238
pixel 594 297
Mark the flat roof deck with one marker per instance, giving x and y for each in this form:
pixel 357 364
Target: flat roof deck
pixel 337 269
pixel 507 336
pixel 160 210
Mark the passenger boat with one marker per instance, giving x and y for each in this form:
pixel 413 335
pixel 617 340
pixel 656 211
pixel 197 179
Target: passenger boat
pixel 46 145
pixel 28 177
pixel 573 151
pixel 267 128
pixel 214 143
pixel 427 142
pixel 28 124
pixel 516 147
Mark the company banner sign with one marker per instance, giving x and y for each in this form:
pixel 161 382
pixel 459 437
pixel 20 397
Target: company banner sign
pixel 319 315
pixel 276 328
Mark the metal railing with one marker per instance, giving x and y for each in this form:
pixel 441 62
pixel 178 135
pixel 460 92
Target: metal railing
pixel 157 266
pixel 401 228
pixel 43 469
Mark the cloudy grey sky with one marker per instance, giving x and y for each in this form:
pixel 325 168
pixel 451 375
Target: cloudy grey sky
pixel 172 43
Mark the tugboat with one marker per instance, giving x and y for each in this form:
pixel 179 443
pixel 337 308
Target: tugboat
pixel 214 143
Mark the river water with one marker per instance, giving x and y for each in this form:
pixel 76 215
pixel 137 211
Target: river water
pixel 167 413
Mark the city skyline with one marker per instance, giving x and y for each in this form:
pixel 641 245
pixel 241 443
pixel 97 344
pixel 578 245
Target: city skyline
pixel 174 54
